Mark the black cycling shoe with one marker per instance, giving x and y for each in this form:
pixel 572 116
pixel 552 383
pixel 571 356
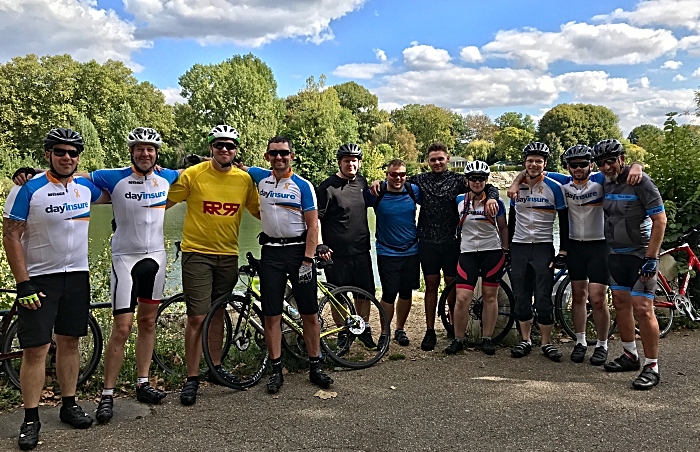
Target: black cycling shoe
pixel 105 409
pixel 317 377
pixel 275 382
pixel 579 353
pixel 225 374
pixel 551 352
pixel 381 341
pixel 148 394
pixel 599 356
pixel 647 379
pixel 188 395
pixel 401 338
pixel 521 349
pixel 29 435
pixel 75 416
pixel 366 339
pixel 429 341
pixel 622 364
pixel 457 345
pixel 488 347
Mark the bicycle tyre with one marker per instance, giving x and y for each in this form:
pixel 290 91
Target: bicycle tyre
pixel 169 347
pixel 664 316
pixel 90 348
pixel 292 342
pixel 338 339
pixel 563 302
pixel 247 357
pixel 504 321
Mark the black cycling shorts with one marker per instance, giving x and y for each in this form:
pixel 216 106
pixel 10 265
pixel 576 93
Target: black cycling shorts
pixel 530 275
pixel 485 264
pixel 64 310
pixel 400 275
pixel 437 256
pixel 277 265
pixel 588 261
pixel 624 275
pixel 355 270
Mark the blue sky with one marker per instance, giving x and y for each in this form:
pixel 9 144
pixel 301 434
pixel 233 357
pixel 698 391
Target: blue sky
pixel 640 58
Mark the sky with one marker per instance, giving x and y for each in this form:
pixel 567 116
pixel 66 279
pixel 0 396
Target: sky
pixel 639 58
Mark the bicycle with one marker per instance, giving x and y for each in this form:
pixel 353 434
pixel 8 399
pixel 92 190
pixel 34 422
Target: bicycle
pixel 90 347
pixel 339 324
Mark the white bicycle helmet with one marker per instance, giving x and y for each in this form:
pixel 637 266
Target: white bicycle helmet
pixel 477 167
pixel 144 135
pixel 224 131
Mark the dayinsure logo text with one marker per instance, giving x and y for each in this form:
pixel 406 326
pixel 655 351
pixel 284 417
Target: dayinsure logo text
pixel 65 207
pixel 144 195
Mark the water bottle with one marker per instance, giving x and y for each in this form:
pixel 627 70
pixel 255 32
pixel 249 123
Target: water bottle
pixel 291 311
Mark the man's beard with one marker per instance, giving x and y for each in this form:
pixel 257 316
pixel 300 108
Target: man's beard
pixel 612 179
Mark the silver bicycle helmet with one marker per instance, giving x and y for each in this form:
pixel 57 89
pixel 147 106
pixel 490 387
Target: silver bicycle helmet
pixel 477 167
pixel 144 135
pixel 607 148
pixel 350 149
pixel 536 148
pixel 62 135
pixel 580 151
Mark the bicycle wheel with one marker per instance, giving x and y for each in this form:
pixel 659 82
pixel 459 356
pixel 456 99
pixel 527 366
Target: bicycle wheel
pixel 89 347
pixel 247 358
pixel 663 309
pixel 292 341
pixel 504 321
pixel 344 332
pixel 563 303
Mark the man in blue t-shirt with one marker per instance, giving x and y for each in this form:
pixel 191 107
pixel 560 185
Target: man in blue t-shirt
pixel 397 246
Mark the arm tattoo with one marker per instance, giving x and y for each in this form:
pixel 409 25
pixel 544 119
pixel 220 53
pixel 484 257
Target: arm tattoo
pixel 10 227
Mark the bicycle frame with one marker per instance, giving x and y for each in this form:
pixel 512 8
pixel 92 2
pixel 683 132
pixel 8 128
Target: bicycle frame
pixel 681 301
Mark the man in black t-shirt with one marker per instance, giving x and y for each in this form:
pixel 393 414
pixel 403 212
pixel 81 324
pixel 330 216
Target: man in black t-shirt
pixel 343 215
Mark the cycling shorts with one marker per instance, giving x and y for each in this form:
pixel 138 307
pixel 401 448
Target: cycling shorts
pixel 354 270
pixel 206 278
pixel 437 256
pixel 624 275
pixel 530 275
pixel 588 261
pixel 400 275
pixel 64 310
pixel 487 265
pixel 277 265
pixel 137 278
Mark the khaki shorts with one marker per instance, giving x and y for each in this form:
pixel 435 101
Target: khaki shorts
pixel 206 278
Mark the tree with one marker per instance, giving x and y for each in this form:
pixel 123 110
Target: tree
pixel 514 119
pixel 427 123
pixel 480 150
pixel 478 126
pixel 645 129
pixel 375 159
pixel 317 125
pixel 363 105
pixel 241 92
pixel 92 157
pixel 119 123
pixel 510 141
pixel 574 124
pixel 399 138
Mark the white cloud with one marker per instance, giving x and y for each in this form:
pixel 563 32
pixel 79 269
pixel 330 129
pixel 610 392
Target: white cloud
pixel 77 27
pixel 362 70
pixel 672 13
pixel 679 78
pixel 670 64
pixel 581 43
pixel 589 85
pixel 250 22
pixel 644 82
pixel 471 54
pixel 422 57
pixel 696 73
pixel 380 54
pixel 172 96
pixel 691 44
pixel 389 106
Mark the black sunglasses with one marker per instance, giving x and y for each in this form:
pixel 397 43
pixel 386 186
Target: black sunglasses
pixel 608 161
pixel 61 152
pixel 477 178
pixel 275 153
pixel 575 165
pixel 222 144
pixel 396 173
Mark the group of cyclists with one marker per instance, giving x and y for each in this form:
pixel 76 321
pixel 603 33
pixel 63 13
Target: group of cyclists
pixel 611 227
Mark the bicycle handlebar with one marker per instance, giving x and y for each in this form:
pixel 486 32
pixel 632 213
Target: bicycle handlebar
pixel 253 266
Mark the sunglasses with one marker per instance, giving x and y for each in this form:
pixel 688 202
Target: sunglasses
pixel 283 153
pixel 223 145
pixel 477 178
pixel 608 161
pixel 62 152
pixel 396 173
pixel 574 165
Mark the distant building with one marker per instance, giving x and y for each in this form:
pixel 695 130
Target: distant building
pixel 458 162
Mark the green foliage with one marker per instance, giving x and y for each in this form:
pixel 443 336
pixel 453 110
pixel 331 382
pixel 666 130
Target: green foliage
pixel 573 124
pixel 92 157
pixel 644 131
pixel 476 127
pixel 374 160
pixel 120 122
pixel 427 123
pixel 479 150
pixel 510 142
pixel 516 120
pixel 398 138
pixel 363 105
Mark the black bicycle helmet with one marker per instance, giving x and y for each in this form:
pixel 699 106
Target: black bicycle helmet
pixel 536 148
pixel 62 135
pixel 350 149
pixel 607 148
pixel 580 151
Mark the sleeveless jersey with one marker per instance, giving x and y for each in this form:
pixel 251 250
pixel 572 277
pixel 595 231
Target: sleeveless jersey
pixel 479 232
pixel 535 210
pixel 138 203
pixel 283 202
pixel 56 235
pixel 585 203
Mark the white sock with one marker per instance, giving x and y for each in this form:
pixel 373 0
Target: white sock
pixel 631 348
pixel 581 339
pixel 141 380
pixel 108 392
pixel 603 344
pixel 655 363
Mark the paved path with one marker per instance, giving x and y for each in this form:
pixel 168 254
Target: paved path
pixel 464 402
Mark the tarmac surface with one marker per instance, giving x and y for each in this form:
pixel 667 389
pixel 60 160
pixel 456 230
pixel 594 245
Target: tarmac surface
pixel 428 402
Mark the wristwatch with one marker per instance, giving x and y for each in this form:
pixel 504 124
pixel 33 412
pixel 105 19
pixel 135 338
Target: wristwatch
pixel 308 259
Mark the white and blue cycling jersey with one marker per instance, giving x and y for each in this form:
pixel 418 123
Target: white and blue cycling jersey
pixel 55 238
pixel 535 210
pixel 139 207
pixel 585 203
pixel 479 232
pixel 283 202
